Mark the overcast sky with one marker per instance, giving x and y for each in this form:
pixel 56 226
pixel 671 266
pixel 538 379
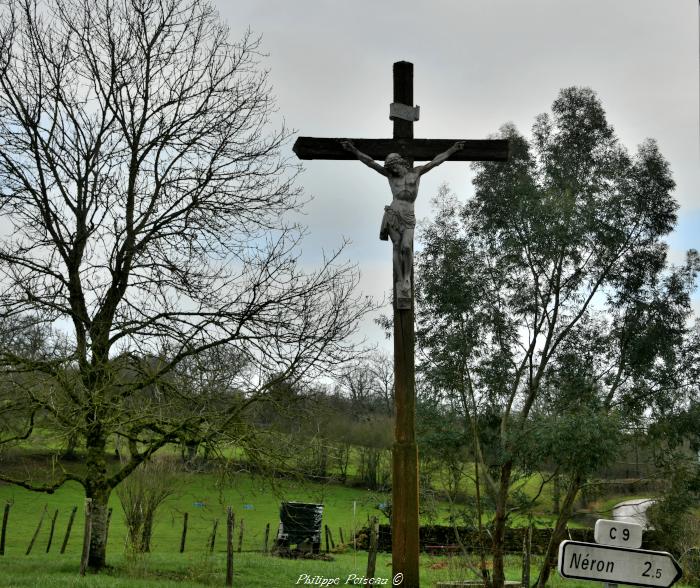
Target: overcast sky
pixel 477 65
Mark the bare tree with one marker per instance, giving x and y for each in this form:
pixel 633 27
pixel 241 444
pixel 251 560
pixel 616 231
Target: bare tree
pixel 368 382
pixel 357 384
pixel 149 204
pixel 382 369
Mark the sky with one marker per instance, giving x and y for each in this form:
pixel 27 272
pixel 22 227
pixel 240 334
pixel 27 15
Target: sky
pixel 477 65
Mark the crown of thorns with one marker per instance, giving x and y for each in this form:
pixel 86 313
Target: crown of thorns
pixel 392 157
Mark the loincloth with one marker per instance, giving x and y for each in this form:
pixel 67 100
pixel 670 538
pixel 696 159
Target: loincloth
pixel 398 220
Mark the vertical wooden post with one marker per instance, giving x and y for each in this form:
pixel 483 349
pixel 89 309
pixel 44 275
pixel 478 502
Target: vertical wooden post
pixel 53 528
pixel 184 533
pixel 229 546
pixel 38 528
pixel 330 536
pixel 527 550
pixel 267 538
pixel 109 519
pixel 340 534
pixel 373 545
pixel 354 534
pixel 405 522
pixel 86 536
pixel 68 529
pixel 328 546
pixel 3 533
pixel 404 519
pixel 212 537
pixel 240 536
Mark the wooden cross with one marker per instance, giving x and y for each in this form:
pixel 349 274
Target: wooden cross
pixel 404 516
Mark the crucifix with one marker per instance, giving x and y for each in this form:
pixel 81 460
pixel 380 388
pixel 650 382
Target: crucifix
pixel 399 155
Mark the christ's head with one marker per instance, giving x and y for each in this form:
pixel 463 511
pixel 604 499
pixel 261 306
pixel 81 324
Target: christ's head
pixel 396 164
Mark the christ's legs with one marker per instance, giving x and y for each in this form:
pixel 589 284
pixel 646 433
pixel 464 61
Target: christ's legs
pixel 396 236
pixel 403 284
pixel 403 263
pixel 407 258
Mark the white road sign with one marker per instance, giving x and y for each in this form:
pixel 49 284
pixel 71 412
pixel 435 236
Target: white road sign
pixel 618 533
pixel 620 565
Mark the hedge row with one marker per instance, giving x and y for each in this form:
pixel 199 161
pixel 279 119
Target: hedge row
pixel 438 537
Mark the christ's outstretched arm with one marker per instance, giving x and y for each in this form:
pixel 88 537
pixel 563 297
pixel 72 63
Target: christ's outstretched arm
pixel 364 158
pixel 438 159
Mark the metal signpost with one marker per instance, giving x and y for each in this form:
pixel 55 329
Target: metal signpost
pixel 616 558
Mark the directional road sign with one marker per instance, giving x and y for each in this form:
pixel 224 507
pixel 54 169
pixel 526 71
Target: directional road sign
pixel 620 565
pixel 618 533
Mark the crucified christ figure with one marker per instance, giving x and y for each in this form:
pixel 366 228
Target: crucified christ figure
pixel 399 219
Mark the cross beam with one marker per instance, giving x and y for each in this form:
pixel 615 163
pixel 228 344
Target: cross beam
pixel 416 149
pixel 404 520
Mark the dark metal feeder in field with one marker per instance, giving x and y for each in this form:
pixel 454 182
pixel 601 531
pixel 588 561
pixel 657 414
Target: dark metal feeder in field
pixel 300 526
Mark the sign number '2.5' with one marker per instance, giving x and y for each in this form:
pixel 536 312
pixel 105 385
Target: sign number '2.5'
pixel 649 572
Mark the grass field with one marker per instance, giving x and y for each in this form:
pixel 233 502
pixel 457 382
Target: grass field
pixel 203 498
pixel 253 500
pixel 253 570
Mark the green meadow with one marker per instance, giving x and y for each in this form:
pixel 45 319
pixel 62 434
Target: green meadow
pixel 205 496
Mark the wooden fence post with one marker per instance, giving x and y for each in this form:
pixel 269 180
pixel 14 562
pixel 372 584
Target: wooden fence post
pixel 53 528
pixel 328 547
pixel 87 536
pixel 373 543
pixel 330 535
pixel 212 537
pixel 184 533
pixel 340 533
pixel 68 529
pixel 38 528
pixel 229 546
pixel 3 534
pixel 267 538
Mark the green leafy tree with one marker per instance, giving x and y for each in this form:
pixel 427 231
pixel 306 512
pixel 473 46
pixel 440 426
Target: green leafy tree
pixel 149 206
pixel 674 436
pixel 549 293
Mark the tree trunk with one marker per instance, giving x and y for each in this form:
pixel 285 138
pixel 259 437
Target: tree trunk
pixel 558 532
pixel 147 531
pixel 98 537
pixel 343 460
pixel 556 495
pixel 72 444
pixel 97 489
pixel 372 465
pixel 322 458
pixel 499 526
pixel 189 452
